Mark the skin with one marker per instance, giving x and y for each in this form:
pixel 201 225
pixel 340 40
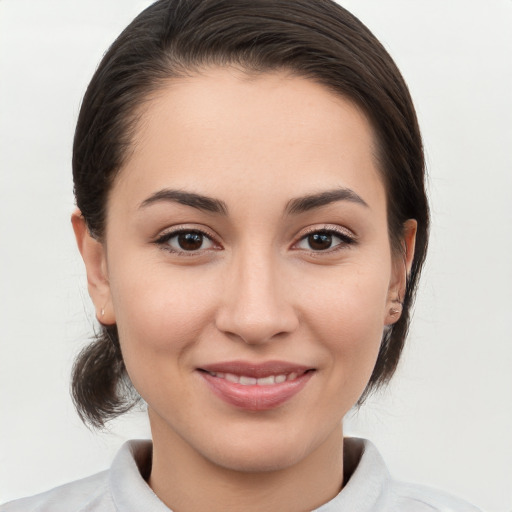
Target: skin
pixel 255 291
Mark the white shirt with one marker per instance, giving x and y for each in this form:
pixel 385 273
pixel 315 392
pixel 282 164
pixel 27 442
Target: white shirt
pixel 123 489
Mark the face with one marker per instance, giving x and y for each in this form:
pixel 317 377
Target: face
pixel 247 265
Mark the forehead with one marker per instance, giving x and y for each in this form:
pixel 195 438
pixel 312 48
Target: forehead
pixel 268 133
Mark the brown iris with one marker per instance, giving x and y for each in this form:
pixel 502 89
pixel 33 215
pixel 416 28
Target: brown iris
pixel 320 241
pixel 190 241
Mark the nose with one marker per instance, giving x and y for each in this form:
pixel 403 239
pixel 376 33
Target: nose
pixel 256 306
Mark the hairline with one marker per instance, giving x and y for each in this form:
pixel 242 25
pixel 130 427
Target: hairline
pixel 181 71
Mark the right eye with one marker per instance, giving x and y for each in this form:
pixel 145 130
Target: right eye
pixel 188 241
pixel 325 240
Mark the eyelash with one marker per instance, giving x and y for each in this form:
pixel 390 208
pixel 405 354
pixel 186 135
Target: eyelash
pixel 163 240
pixel 346 240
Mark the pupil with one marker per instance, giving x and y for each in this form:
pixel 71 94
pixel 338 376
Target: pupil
pixel 190 241
pixel 320 241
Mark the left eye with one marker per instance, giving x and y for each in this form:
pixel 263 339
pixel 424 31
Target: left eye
pixel 187 241
pixel 323 241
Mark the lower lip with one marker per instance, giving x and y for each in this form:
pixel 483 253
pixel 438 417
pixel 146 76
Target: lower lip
pixel 255 398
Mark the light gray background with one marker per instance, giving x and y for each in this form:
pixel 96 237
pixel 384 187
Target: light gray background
pixel 446 420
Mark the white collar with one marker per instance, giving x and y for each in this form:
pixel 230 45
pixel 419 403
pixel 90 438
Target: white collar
pixel 366 490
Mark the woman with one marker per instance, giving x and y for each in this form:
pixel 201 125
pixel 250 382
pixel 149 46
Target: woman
pixel 249 178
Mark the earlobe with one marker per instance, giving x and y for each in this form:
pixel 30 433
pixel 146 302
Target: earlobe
pixel 401 270
pixel 93 254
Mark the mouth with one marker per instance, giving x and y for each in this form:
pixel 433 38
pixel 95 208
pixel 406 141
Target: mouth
pixel 256 387
pixel 246 380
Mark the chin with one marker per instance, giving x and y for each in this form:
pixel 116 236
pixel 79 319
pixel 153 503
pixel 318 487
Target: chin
pixel 265 452
pixel 258 460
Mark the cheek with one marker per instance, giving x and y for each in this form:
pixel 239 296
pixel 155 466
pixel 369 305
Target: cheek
pixel 351 302
pixel 347 316
pixel 160 314
pixel 161 309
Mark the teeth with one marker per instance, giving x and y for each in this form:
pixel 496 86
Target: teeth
pixel 251 381
pixel 247 381
pixel 267 381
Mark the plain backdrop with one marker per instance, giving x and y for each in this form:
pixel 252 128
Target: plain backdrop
pixel 446 419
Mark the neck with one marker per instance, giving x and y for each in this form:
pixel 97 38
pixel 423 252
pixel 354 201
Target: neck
pixel 186 481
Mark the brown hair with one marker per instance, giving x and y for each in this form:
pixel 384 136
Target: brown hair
pixel 316 39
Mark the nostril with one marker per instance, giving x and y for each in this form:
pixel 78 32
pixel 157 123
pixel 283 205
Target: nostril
pixel 256 329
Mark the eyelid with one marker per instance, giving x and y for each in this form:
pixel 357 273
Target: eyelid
pixel 167 234
pixel 347 236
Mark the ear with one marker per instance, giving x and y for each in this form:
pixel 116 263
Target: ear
pixel 401 268
pixel 94 256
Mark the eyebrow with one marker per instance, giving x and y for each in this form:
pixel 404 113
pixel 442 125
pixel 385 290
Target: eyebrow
pixel 192 199
pixel 294 206
pixel 310 202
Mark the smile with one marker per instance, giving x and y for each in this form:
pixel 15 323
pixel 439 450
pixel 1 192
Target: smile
pixel 255 387
pixel 252 381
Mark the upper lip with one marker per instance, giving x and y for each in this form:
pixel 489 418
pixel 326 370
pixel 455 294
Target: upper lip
pixel 256 370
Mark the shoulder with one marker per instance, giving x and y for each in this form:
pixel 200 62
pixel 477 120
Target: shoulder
pixel 83 495
pixel 418 498
pixel 123 487
pixel 371 488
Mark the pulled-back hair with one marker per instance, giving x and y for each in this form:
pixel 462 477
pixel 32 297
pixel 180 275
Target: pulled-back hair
pixel 315 39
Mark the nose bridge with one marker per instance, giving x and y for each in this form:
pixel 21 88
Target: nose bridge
pixel 256 305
